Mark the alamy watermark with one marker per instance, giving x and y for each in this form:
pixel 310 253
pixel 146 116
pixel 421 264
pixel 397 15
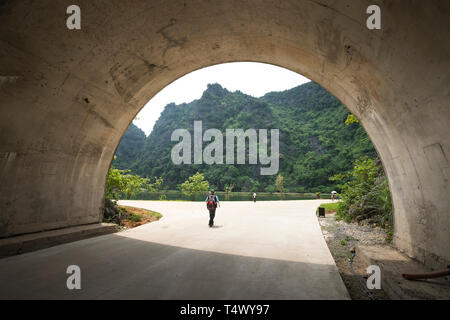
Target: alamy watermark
pixel 235 140
pixel 73 22
pixel 74 280
pixel 374 280
pixel 374 20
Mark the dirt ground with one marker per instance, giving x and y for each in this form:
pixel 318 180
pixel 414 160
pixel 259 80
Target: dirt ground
pixel 147 216
pixel 341 237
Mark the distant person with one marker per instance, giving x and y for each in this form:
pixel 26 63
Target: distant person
pixel 254 196
pixel 333 195
pixel 211 204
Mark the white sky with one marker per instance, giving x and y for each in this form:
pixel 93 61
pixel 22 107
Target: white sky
pixel 255 79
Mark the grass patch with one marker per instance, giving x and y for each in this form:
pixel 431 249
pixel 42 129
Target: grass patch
pixel 135 217
pixel 331 207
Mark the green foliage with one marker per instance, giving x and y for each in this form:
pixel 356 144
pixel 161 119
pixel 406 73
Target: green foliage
pixel 120 183
pixel 155 187
pixel 132 143
pixel 194 185
pixel 315 143
pixel 113 184
pixel 351 119
pixel 365 194
pixel 279 183
pixel 228 190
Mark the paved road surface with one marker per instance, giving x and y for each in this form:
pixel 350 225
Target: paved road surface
pixel 267 250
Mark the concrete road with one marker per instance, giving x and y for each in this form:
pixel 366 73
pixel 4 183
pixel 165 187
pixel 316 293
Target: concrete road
pixel 263 250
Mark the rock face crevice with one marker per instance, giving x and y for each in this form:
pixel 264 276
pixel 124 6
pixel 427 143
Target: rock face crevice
pixel 67 97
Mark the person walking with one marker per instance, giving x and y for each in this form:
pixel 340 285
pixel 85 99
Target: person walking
pixel 212 201
pixel 254 197
pixel 333 195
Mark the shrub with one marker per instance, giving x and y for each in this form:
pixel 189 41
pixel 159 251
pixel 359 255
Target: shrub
pixel 365 194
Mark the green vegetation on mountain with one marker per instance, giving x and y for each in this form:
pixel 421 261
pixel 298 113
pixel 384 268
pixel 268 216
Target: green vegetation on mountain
pixel 315 142
pixel 130 147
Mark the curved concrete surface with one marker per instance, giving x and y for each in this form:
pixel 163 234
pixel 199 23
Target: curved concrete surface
pixel 267 250
pixel 67 97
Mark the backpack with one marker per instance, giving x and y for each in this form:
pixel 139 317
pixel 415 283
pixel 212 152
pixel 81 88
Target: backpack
pixel 211 204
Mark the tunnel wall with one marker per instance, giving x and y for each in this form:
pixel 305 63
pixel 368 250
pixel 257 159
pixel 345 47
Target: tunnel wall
pixel 67 96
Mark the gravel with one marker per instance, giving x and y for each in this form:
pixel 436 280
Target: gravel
pixel 341 237
pixel 363 234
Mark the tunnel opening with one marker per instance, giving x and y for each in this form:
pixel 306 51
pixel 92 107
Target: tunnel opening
pixel 202 121
pixel 91 84
pixel 207 146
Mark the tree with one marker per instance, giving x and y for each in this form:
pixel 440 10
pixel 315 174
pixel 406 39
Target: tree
pixel 120 183
pixel 228 190
pixel 114 184
pixel 255 186
pixel 194 185
pixel 156 187
pixel 279 183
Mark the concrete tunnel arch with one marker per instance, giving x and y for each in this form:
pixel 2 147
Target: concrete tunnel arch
pixel 67 97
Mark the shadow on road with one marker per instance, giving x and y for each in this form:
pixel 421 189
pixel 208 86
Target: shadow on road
pixel 118 267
